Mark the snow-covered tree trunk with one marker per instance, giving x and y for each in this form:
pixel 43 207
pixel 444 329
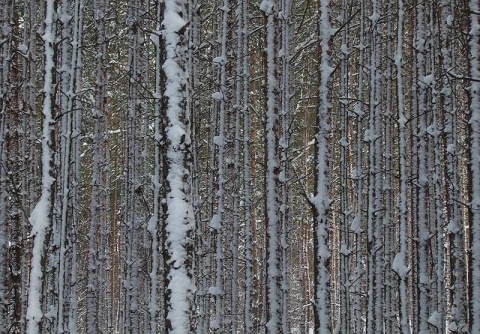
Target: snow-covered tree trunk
pixel 96 270
pixel 272 170
pixel 41 217
pixel 474 123
pixel 399 264
pixel 343 310
pixel 373 135
pixel 221 220
pixel 422 186
pixel 358 176
pixel 321 200
pixel 29 149
pixel 437 192
pixel 70 23
pixel 287 93
pixel 456 302
pixel 389 219
pixel 179 215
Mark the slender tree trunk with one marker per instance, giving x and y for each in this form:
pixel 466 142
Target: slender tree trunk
pixel 41 217
pixel 475 162
pixel 321 201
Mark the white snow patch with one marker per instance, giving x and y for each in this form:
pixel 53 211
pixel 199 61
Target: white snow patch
pixel 215 324
pixel 216 222
pixel 219 60
pixel 344 250
pixel 23 48
pixel 214 290
pixel 428 79
pixel 217 96
pixel 435 319
pixel 399 266
pixel 218 140
pixel 267 6
pixel 433 131
pixel 450 20
pixel 355 226
pixel 451 148
pixel 173 21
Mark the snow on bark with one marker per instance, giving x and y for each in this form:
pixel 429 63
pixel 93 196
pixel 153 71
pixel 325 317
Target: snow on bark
pixel 285 159
pixel 321 201
pixel 422 231
pixel 273 292
pixel 342 313
pixel 399 263
pixel 180 219
pixel 475 161
pixel 41 217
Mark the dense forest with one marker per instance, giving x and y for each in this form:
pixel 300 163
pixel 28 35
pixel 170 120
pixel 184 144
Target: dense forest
pixel 275 166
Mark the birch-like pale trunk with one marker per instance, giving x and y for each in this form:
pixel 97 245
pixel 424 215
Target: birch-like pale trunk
pixel 41 217
pixel 180 216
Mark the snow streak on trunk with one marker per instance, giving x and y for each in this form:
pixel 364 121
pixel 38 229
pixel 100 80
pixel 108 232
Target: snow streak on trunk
pixel 358 176
pixel 321 201
pixel 41 217
pixel 399 263
pixel 475 162
pixel 422 232
pixel 220 221
pixel 180 219
pixel 373 135
pixel 457 304
pixel 70 13
pixel 343 310
pixel 273 228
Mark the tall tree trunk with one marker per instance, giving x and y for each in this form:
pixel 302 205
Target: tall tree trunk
pixel 475 162
pixel 41 217
pixel 321 200
pixel 180 216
